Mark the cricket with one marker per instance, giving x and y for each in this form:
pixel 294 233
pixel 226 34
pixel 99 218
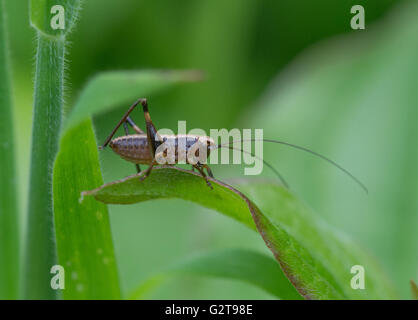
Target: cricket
pixel 142 148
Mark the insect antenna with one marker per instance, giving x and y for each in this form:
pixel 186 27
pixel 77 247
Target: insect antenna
pixel 265 162
pixel 303 149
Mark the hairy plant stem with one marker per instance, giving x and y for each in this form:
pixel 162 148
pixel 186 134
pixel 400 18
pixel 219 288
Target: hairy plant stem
pixel 9 236
pixel 40 254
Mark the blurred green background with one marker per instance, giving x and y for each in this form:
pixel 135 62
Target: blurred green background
pixel 295 69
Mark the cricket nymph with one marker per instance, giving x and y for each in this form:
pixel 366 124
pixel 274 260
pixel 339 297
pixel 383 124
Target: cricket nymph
pixel 135 148
pixel 151 148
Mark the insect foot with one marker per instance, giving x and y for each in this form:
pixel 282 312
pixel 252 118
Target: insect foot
pixel 209 184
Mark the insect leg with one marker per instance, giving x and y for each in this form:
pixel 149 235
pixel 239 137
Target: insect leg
pixel 121 121
pixel 154 139
pixel 125 126
pixel 208 170
pixel 148 171
pixel 203 175
pixel 134 126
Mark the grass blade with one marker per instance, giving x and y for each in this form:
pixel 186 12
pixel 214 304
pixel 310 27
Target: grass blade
pixel 238 264
pixel 88 257
pixel 9 236
pixel 314 258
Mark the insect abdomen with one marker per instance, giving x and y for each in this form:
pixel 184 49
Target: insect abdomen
pixel 133 148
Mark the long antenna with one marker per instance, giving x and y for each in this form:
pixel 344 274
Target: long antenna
pixel 303 149
pixel 265 162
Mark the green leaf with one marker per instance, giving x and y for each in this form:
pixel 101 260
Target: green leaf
pixel 41 15
pixel 175 183
pixel 9 235
pixel 315 258
pixel 84 240
pixel 238 264
pixel 112 89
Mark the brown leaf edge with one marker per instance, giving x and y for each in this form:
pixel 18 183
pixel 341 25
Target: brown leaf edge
pixel 261 221
pixel 414 290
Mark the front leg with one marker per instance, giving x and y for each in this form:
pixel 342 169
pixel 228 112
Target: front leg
pixel 199 168
pixel 125 117
pixel 209 171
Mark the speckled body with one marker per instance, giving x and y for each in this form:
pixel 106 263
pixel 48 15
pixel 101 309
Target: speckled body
pixel 135 148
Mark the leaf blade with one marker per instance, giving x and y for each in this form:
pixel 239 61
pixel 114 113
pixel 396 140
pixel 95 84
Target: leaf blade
pixel 88 257
pixel 306 269
pixel 9 233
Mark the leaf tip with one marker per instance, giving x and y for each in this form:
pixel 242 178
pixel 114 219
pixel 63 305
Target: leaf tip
pixel 195 75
